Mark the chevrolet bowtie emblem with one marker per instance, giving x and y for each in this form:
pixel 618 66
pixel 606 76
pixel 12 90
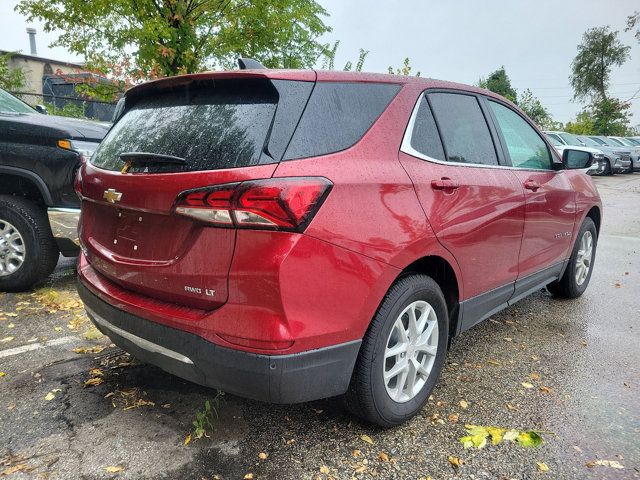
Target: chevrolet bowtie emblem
pixel 112 196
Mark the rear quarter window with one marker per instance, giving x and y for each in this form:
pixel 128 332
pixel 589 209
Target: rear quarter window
pixel 337 115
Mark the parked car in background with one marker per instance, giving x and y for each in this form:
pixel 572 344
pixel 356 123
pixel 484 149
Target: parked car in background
pixel 39 210
pixel 293 235
pixel 614 162
pixel 617 148
pixel 599 163
pixel 634 147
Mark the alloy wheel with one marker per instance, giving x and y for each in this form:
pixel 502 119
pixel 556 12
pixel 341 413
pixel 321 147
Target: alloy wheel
pixel 410 351
pixel 12 249
pixel 584 257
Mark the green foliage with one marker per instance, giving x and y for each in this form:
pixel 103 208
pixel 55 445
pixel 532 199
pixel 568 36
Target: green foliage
pixel 534 109
pixel 70 109
pixel 633 21
pixel 582 125
pixel 204 419
pixel 404 70
pixel 10 78
pixel 151 38
pixel 591 68
pixel 611 117
pixel 499 82
pixel 328 58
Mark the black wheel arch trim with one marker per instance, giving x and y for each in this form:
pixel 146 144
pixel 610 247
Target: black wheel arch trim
pixel 33 177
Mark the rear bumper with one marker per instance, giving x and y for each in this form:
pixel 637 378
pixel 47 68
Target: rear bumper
pixel 294 378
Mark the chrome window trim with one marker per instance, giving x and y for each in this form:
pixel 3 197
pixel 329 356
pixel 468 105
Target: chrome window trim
pixel 406 147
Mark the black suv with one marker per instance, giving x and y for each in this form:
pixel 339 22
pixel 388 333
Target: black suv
pixel 39 210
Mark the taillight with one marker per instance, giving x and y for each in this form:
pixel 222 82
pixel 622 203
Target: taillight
pixel 275 203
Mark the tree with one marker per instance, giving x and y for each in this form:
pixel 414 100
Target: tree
pixel 599 51
pixel 611 117
pixel 329 56
pixel 404 70
pixel 499 82
pixel 10 78
pixel 168 37
pixel 534 109
pixel 582 125
pixel 633 20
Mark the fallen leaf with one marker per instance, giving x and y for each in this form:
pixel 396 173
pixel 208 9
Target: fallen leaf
pixel 263 456
pixel 495 363
pixel 96 349
pixel 92 382
pixel 455 461
pixel 545 389
pixel 529 439
pixel 16 468
pixel 96 372
pixel 366 438
pixel 383 457
pixel 453 418
pixel 605 463
pixel 356 453
pixel 187 440
pixel 535 376
pixel 2 374
pixel 166 405
pixel 543 467
pixel 464 404
pixel 7 339
pixel 577 449
pixel 324 469
pixel 92 334
pixel 526 385
pixel 511 407
pixel 508 339
pixel 50 396
pixel 114 469
pixel 248 476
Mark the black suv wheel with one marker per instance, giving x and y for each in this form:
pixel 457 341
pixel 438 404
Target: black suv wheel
pixel 28 252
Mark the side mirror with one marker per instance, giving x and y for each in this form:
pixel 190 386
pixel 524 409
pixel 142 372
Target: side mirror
pixel 41 109
pixel 576 159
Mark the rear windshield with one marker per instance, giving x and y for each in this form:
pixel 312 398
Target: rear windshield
pixel 214 126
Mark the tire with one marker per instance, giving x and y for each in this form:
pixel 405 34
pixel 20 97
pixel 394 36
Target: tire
pixel 368 396
pixel 568 286
pixel 607 167
pixel 29 229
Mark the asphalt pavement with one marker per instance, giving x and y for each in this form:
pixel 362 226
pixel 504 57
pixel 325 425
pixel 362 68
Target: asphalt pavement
pixel 74 406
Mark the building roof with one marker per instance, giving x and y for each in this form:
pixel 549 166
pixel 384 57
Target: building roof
pixel 35 58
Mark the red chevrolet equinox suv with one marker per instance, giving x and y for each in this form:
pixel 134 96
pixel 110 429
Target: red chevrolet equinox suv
pixel 294 235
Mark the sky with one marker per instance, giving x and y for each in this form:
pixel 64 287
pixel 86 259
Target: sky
pixel 457 40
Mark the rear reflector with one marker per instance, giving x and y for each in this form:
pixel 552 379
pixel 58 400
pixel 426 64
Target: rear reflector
pixel 275 203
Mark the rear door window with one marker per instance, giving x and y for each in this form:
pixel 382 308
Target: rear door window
pixel 463 128
pixel 526 148
pixel 222 125
pixel 337 116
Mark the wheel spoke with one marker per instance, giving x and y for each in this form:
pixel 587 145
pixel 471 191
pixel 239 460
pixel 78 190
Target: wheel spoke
pixel 413 325
pixel 395 350
pixel 411 378
pixel 398 368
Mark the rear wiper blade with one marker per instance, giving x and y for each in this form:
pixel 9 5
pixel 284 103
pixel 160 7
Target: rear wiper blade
pixel 145 157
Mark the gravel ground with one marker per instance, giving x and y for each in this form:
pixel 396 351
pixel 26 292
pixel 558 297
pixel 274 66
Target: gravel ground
pixel 580 359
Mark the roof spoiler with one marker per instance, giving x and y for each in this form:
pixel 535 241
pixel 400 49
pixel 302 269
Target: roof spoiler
pixel 249 63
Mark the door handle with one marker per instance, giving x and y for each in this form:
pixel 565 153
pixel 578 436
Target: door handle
pixel 445 183
pixel 531 185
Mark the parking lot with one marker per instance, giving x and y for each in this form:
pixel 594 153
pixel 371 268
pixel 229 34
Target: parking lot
pixel 73 406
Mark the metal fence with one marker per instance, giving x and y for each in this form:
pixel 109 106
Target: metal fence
pixel 70 106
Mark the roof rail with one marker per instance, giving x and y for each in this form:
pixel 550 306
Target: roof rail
pixel 249 63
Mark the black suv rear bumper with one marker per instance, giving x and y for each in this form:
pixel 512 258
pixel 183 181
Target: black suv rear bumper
pixel 294 378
